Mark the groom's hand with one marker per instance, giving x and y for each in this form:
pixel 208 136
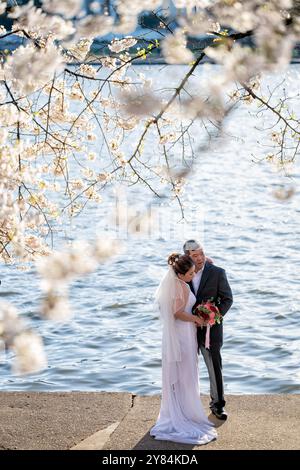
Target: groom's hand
pixel 209 260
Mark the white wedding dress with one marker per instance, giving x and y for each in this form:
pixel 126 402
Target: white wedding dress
pixel 182 417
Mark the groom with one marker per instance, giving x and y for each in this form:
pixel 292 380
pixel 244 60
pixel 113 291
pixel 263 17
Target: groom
pixel 210 281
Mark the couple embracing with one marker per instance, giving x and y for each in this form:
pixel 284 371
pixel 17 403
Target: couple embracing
pixel 191 280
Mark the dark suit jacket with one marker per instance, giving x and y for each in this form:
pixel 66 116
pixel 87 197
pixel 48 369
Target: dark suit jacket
pixel 214 284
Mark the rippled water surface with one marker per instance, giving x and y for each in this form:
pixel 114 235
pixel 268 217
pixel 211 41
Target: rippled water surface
pixel 113 342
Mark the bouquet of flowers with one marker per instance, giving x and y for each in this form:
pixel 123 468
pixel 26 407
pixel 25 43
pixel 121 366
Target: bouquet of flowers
pixel 210 314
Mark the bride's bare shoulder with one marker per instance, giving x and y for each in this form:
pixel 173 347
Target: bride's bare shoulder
pixel 185 287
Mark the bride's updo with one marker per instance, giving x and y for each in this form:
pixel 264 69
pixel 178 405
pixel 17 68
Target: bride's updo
pixel 180 263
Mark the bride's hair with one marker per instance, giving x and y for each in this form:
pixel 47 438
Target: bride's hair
pixel 180 263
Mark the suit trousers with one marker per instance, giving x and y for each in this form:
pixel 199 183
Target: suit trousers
pixel 213 361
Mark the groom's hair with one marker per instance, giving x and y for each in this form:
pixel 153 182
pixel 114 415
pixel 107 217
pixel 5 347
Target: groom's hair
pixel 191 245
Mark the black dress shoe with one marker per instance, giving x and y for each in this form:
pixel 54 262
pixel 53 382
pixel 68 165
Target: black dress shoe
pixel 220 413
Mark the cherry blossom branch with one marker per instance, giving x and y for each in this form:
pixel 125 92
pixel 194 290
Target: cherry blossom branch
pixel 269 107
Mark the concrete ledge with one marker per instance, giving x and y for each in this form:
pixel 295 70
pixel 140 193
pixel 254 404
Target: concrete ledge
pixel 53 420
pixel 255 422
pixel 111 421
pixel 98 440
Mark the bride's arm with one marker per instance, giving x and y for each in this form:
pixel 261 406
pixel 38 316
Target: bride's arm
pixel 179 312
pixel 182 315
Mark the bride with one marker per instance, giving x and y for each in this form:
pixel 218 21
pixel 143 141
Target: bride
pixel 181 417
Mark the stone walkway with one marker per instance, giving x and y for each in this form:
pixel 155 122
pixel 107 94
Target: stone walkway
pixel 112 421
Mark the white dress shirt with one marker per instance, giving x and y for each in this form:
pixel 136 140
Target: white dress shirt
pixel 196 280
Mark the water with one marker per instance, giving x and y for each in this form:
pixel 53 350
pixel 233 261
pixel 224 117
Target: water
pixel 113 342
